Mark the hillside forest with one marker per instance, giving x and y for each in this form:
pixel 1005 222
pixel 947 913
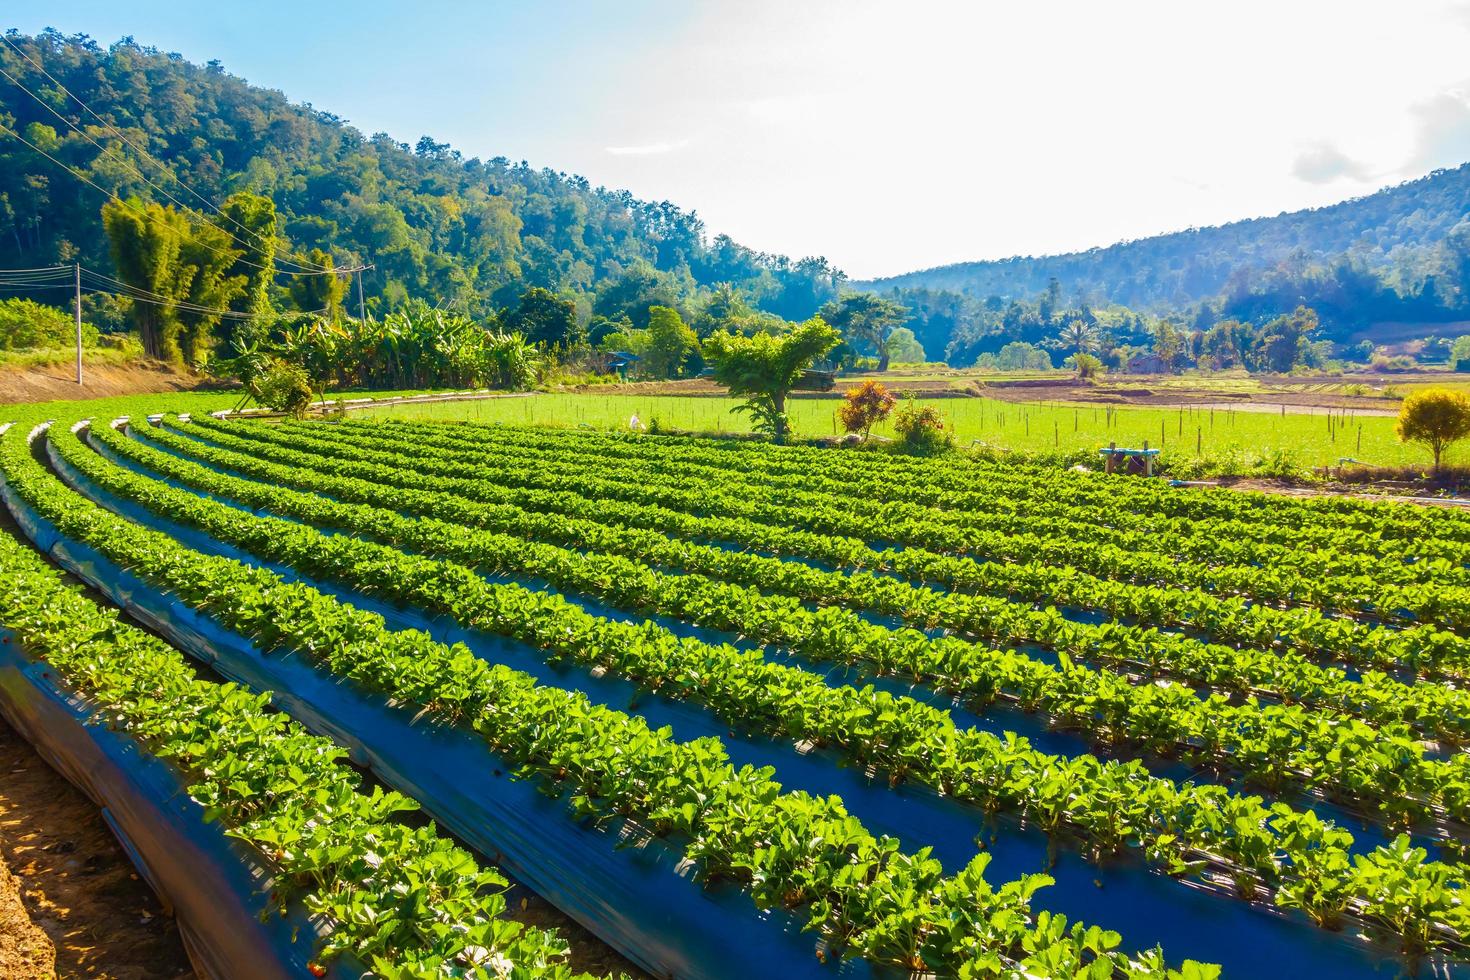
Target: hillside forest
pixel 217 219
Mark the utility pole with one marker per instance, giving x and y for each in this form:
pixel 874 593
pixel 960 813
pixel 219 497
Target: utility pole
pixel 79 321
pixel 361 308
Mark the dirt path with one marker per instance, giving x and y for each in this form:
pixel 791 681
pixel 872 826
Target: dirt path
pixel 75 880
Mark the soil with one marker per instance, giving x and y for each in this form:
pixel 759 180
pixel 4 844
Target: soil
pixel 1137 393
pixel 1403 492
pixel 75 880
pixel 26 952
pixel 55 381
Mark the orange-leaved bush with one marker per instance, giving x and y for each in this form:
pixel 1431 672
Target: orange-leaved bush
pixel 866 406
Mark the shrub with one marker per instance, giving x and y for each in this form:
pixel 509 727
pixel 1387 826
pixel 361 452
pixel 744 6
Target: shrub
pixel 865 407
pixel 921 430
pixel 1086 365
pixel 283 387
pixel 1435 417
pixel 25 325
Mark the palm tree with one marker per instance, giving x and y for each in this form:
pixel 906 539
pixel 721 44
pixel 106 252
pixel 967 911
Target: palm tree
pixel 1078 336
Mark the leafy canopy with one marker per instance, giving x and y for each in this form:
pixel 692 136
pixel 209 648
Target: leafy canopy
pixel 868 318
pixel 670 343
pixel 764 367
pixel 1435 417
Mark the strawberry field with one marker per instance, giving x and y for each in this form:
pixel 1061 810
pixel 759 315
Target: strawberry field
pixel 741 708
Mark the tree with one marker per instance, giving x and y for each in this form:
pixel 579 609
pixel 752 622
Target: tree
pixel 904 347
pixel 865 406
pixel 1078 336
pixel 765 367
pixel 670 342
pixel 250 219
pixel 866 317
pixel 325 293
pixel 543 318
pixel 145 241
pixel 1278 346
pixel 1168 343
pixel 1086 365
pixel 1021 356
pixel 1435 417
pixel 1460 351
pixel 1050 301
pixel 206 283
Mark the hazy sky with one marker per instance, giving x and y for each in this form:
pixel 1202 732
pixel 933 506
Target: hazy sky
pixel 885 136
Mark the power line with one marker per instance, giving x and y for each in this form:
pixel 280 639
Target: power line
pixel 44 268
pixel 143 177
pixel 112 286
pixel 227 253
pixel 60 277
pixel 129 204
pixel 314 269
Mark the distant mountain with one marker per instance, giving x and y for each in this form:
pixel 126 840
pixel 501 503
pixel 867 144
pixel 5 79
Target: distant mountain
pixel 1410 238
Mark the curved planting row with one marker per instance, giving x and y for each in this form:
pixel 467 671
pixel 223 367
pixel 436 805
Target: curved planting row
pixel 1292 855
pixel 1313 550
pixel 1432 709
pixel 929 526
pixel 1141 499
pixel 1273 745
pixel 397 898
pixel 865 895
pixel 1448 606
pixel 1425 648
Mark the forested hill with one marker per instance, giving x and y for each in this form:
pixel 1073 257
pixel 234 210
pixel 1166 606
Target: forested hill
pixel 1406 236
pixel 467 232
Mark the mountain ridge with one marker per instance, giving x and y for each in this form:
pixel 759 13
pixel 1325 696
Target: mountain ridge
pixel 1412 214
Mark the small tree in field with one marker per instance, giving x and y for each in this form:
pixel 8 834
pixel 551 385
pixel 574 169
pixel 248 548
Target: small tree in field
pixel 865 407
pixel 765 368
pixel 1435 417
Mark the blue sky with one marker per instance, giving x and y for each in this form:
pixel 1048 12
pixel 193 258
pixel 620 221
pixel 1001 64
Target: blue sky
pixel 886 136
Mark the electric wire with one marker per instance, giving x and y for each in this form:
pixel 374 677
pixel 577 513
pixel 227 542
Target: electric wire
pixel 308 268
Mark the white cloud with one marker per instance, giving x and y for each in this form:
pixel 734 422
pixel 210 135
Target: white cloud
pixel 646 149
pixel 1443 131
pixel 1323 163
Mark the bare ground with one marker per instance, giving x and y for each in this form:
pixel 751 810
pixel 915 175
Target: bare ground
pixel 51 382
pixel 75 880
pixel 26 952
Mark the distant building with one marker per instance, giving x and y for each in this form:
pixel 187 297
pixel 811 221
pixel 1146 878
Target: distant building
pixel 621 361
pixel 1147 364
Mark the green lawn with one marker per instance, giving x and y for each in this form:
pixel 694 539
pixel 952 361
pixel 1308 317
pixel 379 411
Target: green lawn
pixel 1312 438
pixel 172 401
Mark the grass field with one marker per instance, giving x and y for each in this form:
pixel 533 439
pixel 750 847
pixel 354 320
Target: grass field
pixel 1312 439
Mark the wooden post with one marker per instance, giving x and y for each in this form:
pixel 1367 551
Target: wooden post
pixel 1148 461
pixel 1112 459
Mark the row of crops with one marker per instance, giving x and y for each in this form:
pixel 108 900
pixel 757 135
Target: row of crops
pixel 742 708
